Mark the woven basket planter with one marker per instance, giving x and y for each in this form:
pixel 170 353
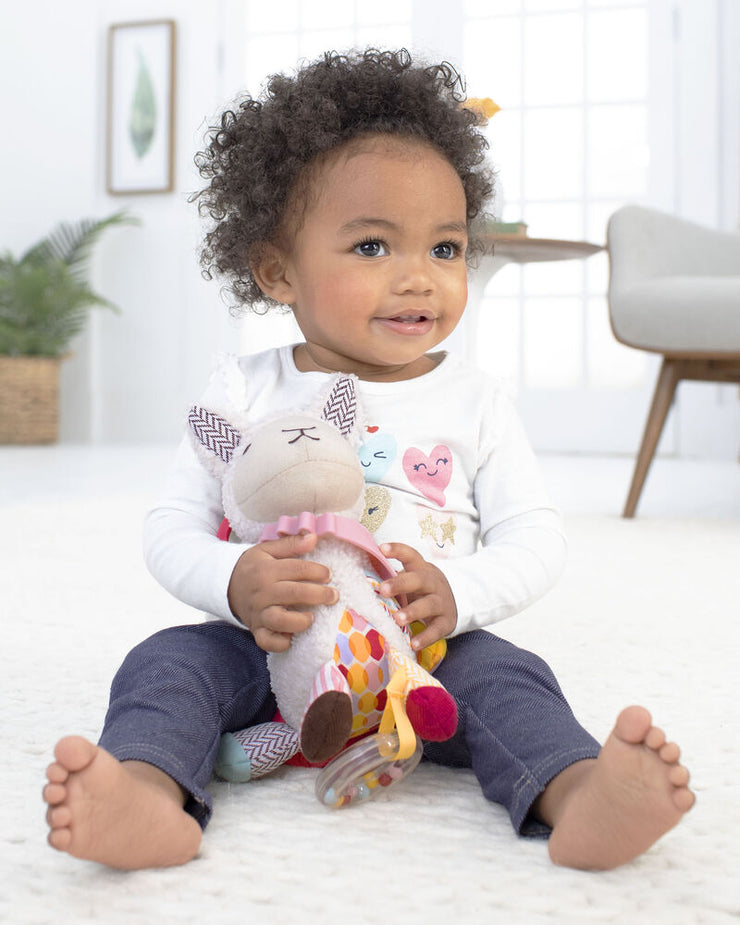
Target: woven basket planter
pixel 29 399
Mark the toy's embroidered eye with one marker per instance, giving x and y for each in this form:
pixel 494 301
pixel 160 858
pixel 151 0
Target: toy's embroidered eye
pixel 300 432
pixel 419 466
pixel 443 461
pixel 380 455
pixel 246 449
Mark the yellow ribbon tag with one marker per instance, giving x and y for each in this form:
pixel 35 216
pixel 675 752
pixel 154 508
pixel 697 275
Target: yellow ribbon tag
pixel 395 715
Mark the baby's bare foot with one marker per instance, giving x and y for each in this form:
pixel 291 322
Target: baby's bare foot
pixel 127 815
pixel 624 801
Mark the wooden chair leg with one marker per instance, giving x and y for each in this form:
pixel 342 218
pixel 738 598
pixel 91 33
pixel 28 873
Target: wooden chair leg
pixel 665 389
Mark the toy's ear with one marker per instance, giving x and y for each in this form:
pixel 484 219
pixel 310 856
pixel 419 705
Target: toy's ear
pixel 340 408
pixel 214 438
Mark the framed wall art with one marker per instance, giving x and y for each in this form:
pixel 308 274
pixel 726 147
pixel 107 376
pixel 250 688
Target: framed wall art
pixel 141 107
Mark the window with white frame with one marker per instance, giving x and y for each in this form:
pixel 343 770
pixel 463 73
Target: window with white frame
pixel 280 34
pixel 570 144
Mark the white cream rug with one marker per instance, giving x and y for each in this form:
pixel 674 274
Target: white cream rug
pixel 648 612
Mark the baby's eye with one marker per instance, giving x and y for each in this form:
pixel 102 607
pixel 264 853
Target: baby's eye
pixel 446 250
pixel 370 249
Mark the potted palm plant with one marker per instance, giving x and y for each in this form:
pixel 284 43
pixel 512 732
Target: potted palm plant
pixel 45 297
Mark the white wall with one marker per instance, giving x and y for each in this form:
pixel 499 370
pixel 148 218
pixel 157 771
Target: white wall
pixel 131 374
pixel 695 110
pixel 695 141
pixel 729 113
pixel 48 151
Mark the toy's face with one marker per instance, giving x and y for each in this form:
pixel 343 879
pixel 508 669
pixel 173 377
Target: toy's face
pixel 296 464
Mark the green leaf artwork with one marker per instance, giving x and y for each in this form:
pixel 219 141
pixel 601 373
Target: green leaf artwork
pixel 143 117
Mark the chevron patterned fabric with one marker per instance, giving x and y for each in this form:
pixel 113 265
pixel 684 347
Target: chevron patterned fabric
pixel 213 432
pixel 341 406
pixel 268 746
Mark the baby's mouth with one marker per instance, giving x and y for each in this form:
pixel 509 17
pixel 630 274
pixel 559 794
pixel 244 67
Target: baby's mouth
pixel 409 323
pixel 409 319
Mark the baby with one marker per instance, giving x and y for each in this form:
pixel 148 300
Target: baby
pixel 349 193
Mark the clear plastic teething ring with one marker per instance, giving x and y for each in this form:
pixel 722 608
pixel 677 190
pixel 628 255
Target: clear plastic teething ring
pixel 365 770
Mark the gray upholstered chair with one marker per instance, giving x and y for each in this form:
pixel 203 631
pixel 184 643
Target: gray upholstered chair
pixel 674 289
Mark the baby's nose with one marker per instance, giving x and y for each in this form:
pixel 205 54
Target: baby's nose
pixel 413 275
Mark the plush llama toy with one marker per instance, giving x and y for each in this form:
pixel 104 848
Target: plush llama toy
pixel 353 670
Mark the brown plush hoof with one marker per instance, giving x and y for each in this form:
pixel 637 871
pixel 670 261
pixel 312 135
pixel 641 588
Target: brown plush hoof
pixel 326 726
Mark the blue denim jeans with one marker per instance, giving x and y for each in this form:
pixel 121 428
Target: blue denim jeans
pixel 515 727
pixel 179 690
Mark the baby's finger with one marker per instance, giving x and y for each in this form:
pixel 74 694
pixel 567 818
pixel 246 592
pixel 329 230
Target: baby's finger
pixel 425 608
pixel 297 570
pixel 430 634
pixel 280 621
pixel 406 555
pixel 296 595
pixel 403 583
pixel 272 642
pixel 290 547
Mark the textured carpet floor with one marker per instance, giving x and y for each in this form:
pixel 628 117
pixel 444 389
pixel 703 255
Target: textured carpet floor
pixel 648 611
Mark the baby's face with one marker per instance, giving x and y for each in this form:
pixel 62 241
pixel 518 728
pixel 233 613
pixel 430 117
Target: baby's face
pixel 376 271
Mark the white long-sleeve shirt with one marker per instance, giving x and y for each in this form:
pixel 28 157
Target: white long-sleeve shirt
pixel 448 471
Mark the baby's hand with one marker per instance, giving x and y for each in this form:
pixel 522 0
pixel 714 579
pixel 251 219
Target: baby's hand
pixel 429 594
pixel 270 587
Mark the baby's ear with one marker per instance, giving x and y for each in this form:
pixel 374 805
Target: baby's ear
pixel 214 439
pixel 270 272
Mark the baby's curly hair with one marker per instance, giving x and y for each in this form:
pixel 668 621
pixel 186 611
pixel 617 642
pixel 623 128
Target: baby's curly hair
pixel 255 157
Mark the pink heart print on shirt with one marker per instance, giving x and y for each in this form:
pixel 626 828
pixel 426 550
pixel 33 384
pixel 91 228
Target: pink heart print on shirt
pixel 430 474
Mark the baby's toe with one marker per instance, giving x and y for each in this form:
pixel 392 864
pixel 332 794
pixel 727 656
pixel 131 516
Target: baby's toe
pixel 74 753
pixel 683 799
pixel 679 776
pixel 59 817
pixel 655 738
pixel 633 725
pixel 60 839
pixel 670 753
pixel 56 773
pixel 54 793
